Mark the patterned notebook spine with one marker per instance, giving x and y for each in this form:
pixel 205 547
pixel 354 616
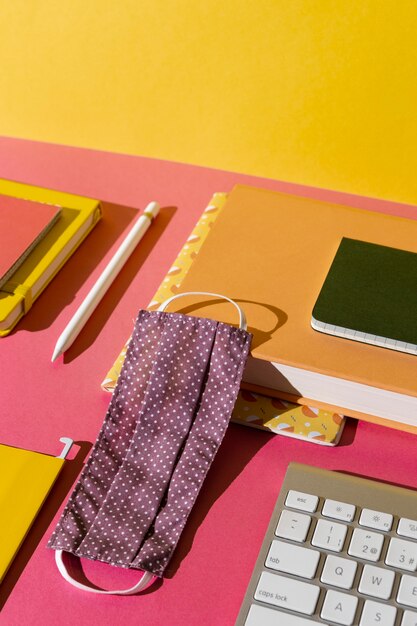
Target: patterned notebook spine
pixel 171 283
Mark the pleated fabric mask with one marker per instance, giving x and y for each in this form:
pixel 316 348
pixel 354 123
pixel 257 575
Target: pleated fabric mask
pixel 165 422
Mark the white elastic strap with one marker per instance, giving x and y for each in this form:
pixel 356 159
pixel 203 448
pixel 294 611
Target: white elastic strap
pixel 145 581
pixel 242 316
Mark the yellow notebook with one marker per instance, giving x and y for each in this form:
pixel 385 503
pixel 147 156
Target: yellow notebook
pixel 78 216
pixel 26 479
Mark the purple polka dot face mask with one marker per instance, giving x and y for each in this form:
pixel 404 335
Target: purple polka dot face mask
pixel 165 422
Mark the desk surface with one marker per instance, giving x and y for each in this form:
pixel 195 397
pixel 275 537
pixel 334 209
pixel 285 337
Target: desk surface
pixel 42 401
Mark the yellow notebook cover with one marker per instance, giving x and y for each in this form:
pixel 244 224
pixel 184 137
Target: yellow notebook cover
pixel 78 216
pixel 26 479
pixel 284 417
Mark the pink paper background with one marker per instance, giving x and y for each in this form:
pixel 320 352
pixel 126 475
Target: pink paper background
pixel 41 401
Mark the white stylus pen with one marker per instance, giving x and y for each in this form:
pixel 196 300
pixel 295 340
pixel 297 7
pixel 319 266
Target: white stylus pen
pixel 104 281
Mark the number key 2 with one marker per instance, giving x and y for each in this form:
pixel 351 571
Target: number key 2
pixel 366 545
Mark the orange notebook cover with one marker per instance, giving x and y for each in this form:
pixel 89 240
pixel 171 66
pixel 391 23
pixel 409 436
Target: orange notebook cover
pixel 272 252
pixel 23 224
pixel 316 425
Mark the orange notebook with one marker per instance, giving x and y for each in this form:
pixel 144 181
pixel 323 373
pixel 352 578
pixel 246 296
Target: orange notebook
pixel 272 252
pixel 23 224
pixel 258 411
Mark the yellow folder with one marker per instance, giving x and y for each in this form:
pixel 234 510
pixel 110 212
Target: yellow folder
pixel 26 479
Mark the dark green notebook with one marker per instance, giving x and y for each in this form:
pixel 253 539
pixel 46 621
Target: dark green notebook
pixel 370 295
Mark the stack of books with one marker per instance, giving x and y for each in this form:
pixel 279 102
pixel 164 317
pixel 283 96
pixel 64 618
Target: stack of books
pixel 272 253
pixel 282 417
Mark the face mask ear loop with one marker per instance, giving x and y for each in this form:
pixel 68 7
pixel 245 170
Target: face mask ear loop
pixel 242 317
pixel 146 580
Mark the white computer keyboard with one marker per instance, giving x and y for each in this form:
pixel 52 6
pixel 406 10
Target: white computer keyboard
pixel 338 550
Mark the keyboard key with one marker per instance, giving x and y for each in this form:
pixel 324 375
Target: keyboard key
pixel 407 592
pixel 376 582
pixel 339 510
pixel 262 616
pixel 339 608
pixel 293 526
pixel 290 559
pixel 402 554
pixel 407 528
pixel 377 613
pixel 409 619
pixel 302 501
pixel 339 572
pixel 376 520
pixel 287 593
pixel 329 535
pixel 366 545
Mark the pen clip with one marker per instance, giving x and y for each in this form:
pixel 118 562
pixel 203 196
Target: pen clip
pixel 67 447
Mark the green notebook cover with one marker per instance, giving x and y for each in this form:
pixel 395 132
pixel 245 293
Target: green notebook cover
pixel 370 295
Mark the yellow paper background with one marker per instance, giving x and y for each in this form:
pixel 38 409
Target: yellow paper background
pixel 320 92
